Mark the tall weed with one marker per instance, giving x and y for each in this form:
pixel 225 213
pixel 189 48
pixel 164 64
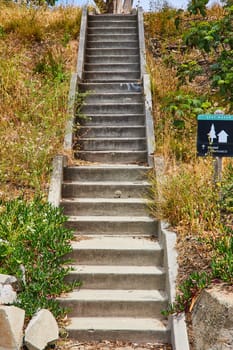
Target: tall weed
pixel 35 67
pixel 189 198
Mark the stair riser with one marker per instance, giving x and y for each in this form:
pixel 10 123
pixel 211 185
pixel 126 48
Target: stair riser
pixel 112 145
pixel 112 44
pixel 105 52
pixel 113 157
pixel 112 67
pixel 99 209
pixel 136 336
pixel 114 228
pixel 115 308
pixel 111 76
pixel 105 174
pixel 112 59
pixel 113 108
pixel 112 132
pixel 111 120
pixel 113 30
pixel 112 24
pixel 114 98
pixel 117 37
pixel 118 257
pixel 127 282
pixel 121 88
pixel 102 191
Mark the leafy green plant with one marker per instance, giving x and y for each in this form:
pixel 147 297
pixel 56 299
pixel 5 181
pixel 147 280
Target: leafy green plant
pixel 187 291
pixel 222 263
pixel 198 6
pixel 188 71
pixel 51 66
pixel 215 40
pixel 34 244
pixel 181 110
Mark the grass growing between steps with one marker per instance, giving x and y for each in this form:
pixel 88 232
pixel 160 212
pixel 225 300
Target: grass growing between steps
pixel 185 69
pixel 38 48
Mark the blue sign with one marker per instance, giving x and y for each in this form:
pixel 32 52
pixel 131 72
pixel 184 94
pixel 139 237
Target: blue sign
pixel 215 135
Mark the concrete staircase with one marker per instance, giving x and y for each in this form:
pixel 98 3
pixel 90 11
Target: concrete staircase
pixel 116 255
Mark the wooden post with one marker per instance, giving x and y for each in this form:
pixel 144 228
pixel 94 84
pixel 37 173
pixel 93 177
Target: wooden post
pixel 217 169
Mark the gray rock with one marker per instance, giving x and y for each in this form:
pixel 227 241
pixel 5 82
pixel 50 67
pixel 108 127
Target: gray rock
pixel 213 319
pixel 7 279
pixel 7 294
pixel 11 327
pixel 41 330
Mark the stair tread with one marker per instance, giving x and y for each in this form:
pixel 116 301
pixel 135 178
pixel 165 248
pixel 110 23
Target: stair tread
pixel 117 270
pixel 93 114
pixel 120 139
pixel 104 200
pixel 107 183
pixel 117 243
pixel 110 218
pixel 116 323
pixel 112 127
pixel 112 151
pixel 124 93
pixel 105 166
pixel 96 295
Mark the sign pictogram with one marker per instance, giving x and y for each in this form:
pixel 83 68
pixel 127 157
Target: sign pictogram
pixel 215 135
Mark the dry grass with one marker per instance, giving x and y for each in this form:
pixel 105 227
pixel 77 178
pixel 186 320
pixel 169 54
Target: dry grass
pixel 185 194
pixel 38 51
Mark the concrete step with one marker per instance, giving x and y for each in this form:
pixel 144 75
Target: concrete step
pixel 106 173
pixel 111 76
pixel 123 119
pixel 112 131
pixel 118 277
pixel 114 97
pixel 112 30
pixel 104 206
pixel 117 250
pixel 111 108
pixel 112 144
pixel 111 67
pixel 119 37
pixel 112 44
pixel 114 225
pixel 113 157
pixel 114 303
pixel 136 330
pixel 105 52
pixel 111 17
pixel 110 87
pixel 105 189
pixel 112 59
pixel 112 24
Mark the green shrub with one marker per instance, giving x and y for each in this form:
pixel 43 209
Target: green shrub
pixel 33 247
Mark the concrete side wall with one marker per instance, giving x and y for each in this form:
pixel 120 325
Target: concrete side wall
pixel 55 187
pixel 141 37
pixel 82 44
pixel 212 318
pixel 68 140
pixel 150 136
pixel 179 336
pixel 75 77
